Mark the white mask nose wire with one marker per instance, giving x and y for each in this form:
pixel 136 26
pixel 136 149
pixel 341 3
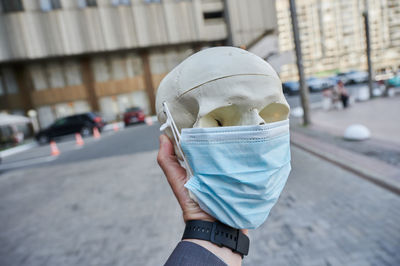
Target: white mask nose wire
pixel 170 122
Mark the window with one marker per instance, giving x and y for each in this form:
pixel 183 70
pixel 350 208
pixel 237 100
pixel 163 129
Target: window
pixel 9 6
pixel 152 1
pixel 48 5
pixel 213 14
pixel 60 122
pixel 10 81
pixel 1 85
pixel 101 69
pixel 86 3
pixel 121 2
pixel 91 2
pixel 55 75
pixel 118 67
pixel 72 72
pixel 38 76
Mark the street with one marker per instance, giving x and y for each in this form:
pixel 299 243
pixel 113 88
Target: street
pixel 132 140
pixel 108 203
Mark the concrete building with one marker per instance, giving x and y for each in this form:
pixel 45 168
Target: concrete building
pixel 61 57
pixel 333 35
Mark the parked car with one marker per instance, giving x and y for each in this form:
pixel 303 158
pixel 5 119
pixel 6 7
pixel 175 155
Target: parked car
pixel 314 85
pixel 134 115
pixel 394 81
pixel 318 84
pixel 81 123
pixel 357 76
pixel 342 76
pixel 290 87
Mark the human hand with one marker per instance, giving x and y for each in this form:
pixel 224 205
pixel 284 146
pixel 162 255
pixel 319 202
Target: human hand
pixel 176 177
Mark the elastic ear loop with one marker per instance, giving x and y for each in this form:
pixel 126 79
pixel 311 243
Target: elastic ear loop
pixel 170 122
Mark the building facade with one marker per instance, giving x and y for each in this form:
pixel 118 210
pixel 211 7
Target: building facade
pixel 332 34
pixel 61 57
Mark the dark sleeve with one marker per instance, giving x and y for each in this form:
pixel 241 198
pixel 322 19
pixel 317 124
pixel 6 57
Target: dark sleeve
pixel 189 253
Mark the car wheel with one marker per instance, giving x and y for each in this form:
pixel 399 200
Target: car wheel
pixel 85 131
pixel 43 139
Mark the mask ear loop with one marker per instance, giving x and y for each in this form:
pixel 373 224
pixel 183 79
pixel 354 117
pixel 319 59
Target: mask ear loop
pixel 171 123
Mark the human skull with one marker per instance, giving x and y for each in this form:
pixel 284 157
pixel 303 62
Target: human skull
pixel 222 86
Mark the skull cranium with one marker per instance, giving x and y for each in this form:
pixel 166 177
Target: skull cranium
pixel 222 86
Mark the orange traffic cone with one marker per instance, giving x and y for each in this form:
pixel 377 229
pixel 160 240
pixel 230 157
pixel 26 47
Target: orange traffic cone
pixel 54 149
pixel 116 128
pixel 148 121
pixel 79 140
pixel 96 133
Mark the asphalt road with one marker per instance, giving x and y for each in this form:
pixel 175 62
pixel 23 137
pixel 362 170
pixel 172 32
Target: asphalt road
pixel 108 203
pixel 130 140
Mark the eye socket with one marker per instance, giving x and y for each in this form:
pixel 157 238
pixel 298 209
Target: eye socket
pixel 221 117
pixel 274 112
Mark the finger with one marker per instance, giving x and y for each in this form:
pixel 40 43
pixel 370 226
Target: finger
pixel 175 173
pixel 166 158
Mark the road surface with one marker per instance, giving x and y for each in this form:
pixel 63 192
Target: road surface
pixel 108 203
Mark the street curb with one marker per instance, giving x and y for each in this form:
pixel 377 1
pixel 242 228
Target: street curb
pixel 375 171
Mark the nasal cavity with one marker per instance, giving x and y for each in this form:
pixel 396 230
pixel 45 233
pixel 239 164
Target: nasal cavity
pixel 252 118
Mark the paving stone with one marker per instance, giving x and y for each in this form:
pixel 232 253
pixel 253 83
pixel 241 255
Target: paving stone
pixel 340 218
pixel 120 211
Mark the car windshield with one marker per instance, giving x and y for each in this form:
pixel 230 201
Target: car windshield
pixel 133 109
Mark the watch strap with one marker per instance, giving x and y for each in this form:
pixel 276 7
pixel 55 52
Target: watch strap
pixel 219 234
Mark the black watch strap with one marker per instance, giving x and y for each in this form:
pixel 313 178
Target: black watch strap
pixel 219 234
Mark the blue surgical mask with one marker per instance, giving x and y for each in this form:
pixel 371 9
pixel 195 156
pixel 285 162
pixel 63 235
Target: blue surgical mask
pixel 236 173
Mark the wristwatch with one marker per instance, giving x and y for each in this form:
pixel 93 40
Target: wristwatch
pixel 219 234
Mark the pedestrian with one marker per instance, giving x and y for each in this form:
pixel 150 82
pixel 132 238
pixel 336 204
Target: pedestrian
pixel 343 94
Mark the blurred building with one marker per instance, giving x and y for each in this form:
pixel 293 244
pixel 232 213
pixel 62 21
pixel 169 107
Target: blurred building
pixel 332 35
pixel 62 57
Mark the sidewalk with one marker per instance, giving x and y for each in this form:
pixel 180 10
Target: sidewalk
pixel 380 116
pixel 376 159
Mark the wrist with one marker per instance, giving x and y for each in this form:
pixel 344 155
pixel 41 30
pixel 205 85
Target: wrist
pixel 227 243
pixel 224 253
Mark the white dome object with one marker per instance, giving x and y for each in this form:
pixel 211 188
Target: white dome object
pixel 297 112
pixel 363 94
pixel 391 92
pixel 357 132
pixel 377 92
